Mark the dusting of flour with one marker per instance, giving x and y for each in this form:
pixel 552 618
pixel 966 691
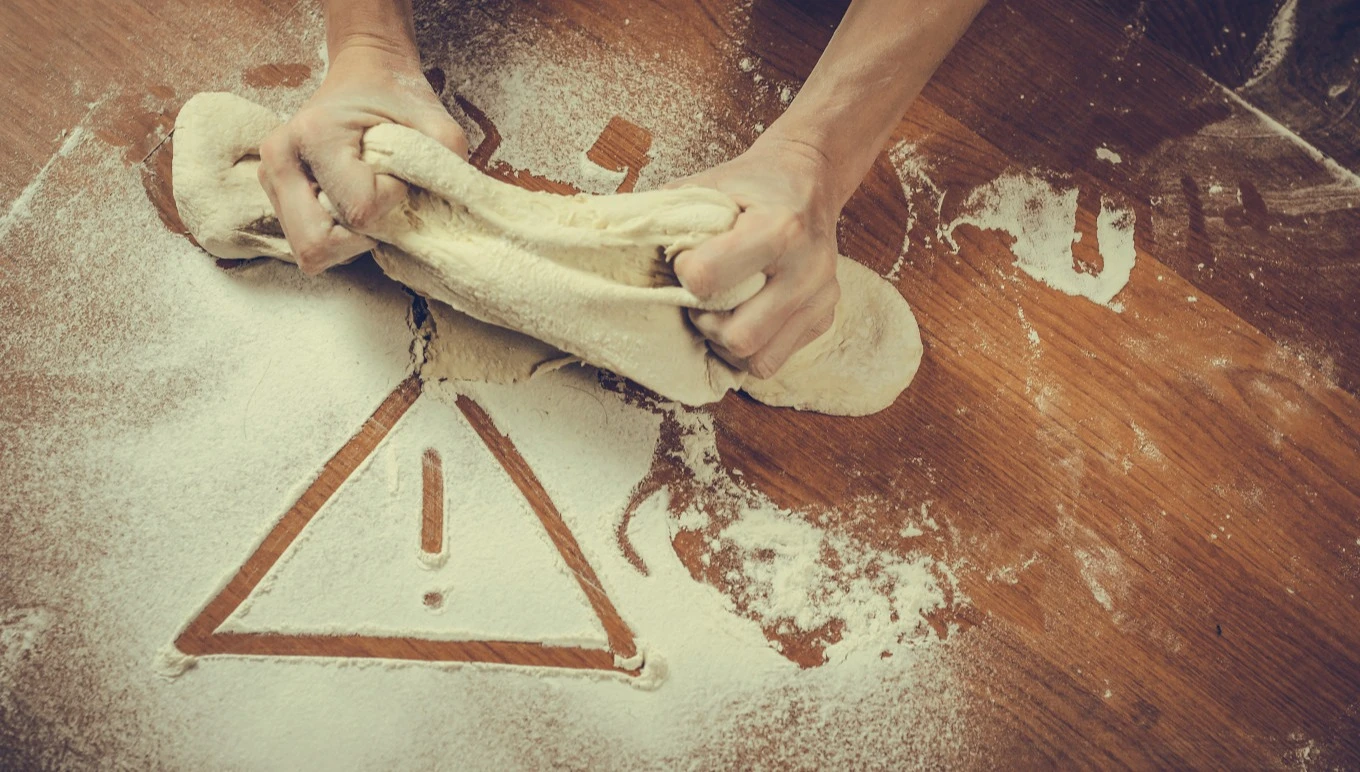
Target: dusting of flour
pixel 1041 218
pixel 170 411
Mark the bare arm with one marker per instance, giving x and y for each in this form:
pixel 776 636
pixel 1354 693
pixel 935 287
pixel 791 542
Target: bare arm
pixel 381 25
pixel 794 180
pixel 876 64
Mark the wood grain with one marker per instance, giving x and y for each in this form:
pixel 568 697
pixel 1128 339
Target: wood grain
pixel 431 503
pixel 1153 513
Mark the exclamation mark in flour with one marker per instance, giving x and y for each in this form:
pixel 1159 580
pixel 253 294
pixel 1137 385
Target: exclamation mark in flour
pixel 432 551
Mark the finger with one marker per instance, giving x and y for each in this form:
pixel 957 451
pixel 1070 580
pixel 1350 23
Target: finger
pixel 351 184
pixel 709 323
pixel 747 329
pixel 444 130
pixel 678 183
pixel 720 263
pixel 391 192
pixel 804 326
pixel 317 241
pixel 727 356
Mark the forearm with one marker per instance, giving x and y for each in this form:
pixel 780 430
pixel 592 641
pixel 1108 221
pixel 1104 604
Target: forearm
pixel 878 60
pixel 385 26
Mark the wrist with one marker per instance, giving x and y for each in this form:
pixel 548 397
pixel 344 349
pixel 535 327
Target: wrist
pixel 831 178
pixel 373 54
pixel 375 28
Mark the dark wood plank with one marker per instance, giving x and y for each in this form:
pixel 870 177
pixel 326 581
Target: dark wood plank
pixel 1229 203
pixel 1314 48
pixel 62 58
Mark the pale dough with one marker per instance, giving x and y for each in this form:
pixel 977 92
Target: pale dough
pixel 465 349
pixel 548 279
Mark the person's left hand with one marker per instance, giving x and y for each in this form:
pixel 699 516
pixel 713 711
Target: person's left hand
pixel 786 230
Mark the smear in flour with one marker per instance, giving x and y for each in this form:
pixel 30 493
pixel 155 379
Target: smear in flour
pixel 918 188
pixel 1041 219
pixel 797 574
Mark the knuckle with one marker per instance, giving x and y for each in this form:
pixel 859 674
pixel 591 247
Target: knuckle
pixel 741 341
pixel 762 366
pixel 450 135
pixel 306 123
pixel 698 276
pixel 311 255
pixel 279 143
pixel 821 325
pixel 360 213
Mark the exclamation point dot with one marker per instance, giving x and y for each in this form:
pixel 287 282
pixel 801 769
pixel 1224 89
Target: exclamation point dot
pixel 434 599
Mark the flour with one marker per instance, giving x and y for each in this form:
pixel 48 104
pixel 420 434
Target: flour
pixel 1011 574
pixel 555 83
pixel 357 568
pixel 204 469
pixel 21 630
pixel 19 208
pixel 795 576
pixel 1041 219
pixel 914 172
pixel 1347 179
pixel 172 411
pixel 1275 44
pixel 1102 569
pixel 1108 155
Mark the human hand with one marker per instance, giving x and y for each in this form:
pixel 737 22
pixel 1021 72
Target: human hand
pixel 786 230
pixel 319 150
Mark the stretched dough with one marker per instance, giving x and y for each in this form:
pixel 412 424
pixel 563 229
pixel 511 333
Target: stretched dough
pixel 462 348
pixel 546 276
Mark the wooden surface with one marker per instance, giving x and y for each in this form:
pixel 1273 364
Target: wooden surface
pixel 1197 460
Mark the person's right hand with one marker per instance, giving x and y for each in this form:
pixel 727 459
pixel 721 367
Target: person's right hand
pixel 319 150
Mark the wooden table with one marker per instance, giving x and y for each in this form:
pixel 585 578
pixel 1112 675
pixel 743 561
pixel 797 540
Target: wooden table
pixel 1174 490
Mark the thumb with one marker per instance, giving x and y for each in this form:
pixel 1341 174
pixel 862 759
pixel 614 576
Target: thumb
pixel 682 182
pixel 442 128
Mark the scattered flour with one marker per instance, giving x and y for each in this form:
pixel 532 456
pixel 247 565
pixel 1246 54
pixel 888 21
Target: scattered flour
pixel 1011 574
pixel 794 576
pixel 19 208
pixel 914 172
pixel 552 92
pixel 174 410
pixel 21 630
pixel 1102 569
pixel 357 567
pixel 1042 221
pixel 786 579
pixel 1347 178
pixel 1106 154
pixel 1275 44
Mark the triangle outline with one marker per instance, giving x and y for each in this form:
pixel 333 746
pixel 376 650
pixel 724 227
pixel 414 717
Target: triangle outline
pixel 203 636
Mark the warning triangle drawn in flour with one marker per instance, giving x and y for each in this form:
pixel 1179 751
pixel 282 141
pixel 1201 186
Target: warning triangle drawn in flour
pixel 417 543
pixel 384 558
